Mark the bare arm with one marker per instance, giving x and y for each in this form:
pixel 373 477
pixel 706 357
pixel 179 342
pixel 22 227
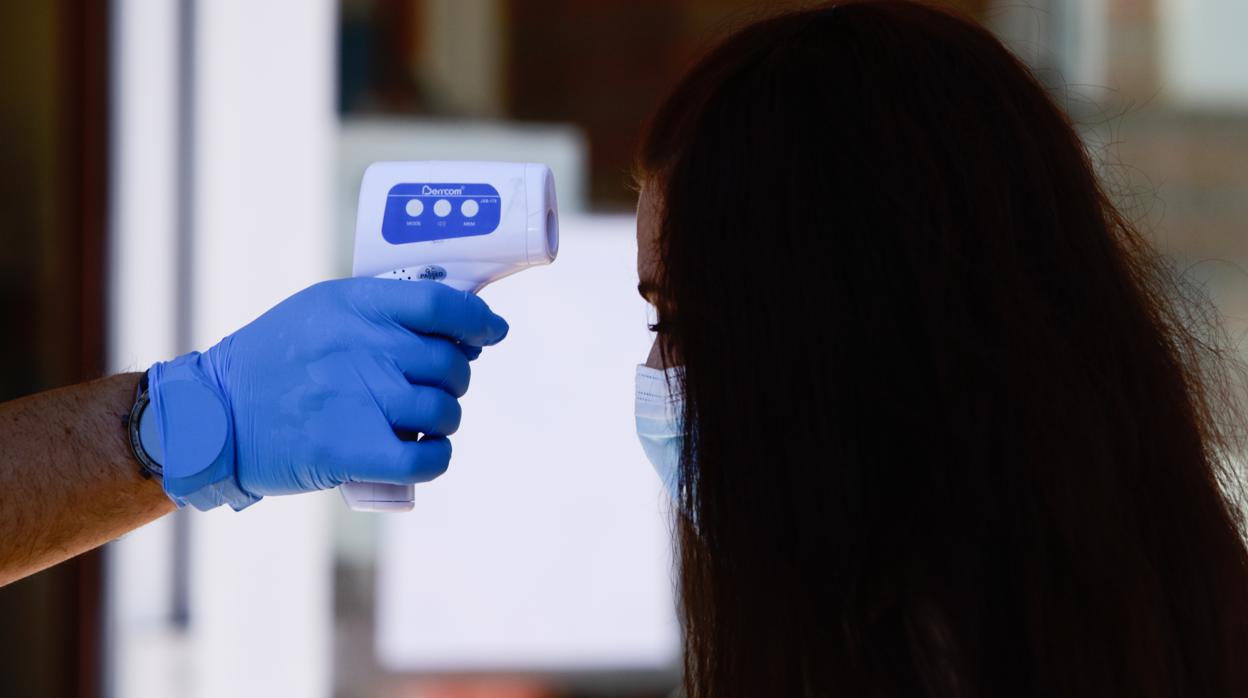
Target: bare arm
pixel 68 481
pixel 389 358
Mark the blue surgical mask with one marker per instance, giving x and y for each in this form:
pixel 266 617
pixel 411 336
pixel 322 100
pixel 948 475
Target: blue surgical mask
pixel 659 412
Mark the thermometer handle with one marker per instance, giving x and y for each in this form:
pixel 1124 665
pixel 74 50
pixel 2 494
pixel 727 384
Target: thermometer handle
pixel 376 496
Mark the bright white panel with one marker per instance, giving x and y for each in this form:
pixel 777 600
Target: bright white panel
pixel 1204 53
pixel 139 642
pixel 264 134
pixel 264 126
pixel 143 212
pixel 546 545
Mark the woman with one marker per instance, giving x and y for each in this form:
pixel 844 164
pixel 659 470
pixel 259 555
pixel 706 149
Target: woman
pixel 943 434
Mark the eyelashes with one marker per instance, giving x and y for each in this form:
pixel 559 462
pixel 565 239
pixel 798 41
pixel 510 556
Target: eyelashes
pixel 657 327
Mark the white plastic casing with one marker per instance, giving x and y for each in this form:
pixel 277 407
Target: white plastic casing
pixel 526 235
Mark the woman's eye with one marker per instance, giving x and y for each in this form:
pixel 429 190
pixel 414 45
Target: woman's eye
pixel 657 327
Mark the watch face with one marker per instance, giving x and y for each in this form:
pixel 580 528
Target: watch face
pixel 149 433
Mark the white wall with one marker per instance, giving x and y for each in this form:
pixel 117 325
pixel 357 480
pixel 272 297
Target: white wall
pixel 1205 57
pixel 142 645
pixel 261 131
pixel 545 547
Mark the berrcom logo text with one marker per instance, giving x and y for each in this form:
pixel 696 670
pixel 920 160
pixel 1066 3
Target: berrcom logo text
pixel 445 191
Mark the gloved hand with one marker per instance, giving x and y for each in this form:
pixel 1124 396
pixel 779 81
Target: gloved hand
pixel 331 386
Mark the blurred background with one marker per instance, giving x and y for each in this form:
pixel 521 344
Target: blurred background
pixel 172 169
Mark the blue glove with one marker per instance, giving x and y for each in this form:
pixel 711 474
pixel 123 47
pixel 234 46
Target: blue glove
pixel 330 386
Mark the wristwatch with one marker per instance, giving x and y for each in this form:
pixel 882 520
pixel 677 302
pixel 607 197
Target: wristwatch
pixel 144 434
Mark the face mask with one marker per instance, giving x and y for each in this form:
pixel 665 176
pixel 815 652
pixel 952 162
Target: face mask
pixel 659 414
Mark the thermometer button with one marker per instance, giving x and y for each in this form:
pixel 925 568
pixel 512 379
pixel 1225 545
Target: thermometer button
pixel 442 208
pixel 415 208
pixel 469 208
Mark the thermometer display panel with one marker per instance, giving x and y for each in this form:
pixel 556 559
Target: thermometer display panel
pixel 426 211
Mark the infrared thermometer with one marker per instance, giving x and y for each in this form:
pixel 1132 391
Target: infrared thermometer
pixel 464 224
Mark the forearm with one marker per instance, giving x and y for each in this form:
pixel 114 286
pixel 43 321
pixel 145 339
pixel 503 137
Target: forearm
pixel 68 481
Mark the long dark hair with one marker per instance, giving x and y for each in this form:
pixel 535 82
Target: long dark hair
pixel 947 431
